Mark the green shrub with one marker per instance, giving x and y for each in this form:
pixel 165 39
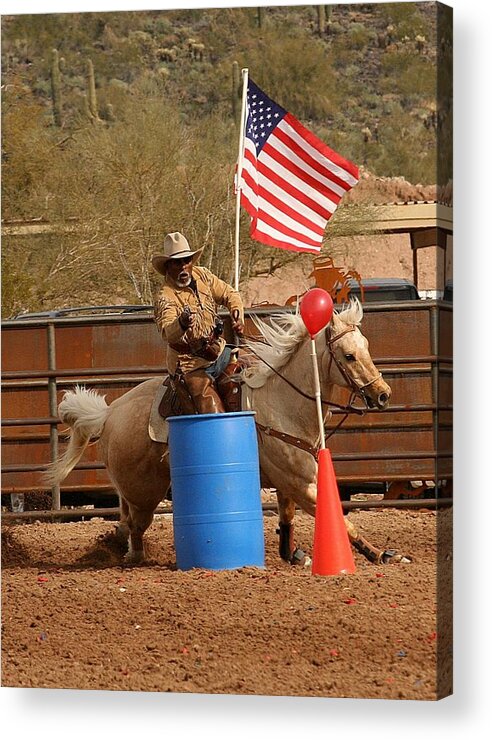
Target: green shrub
pixel 407 73
pixel 360 36
pixel 406 18
pixel 17 281
pixel 297 73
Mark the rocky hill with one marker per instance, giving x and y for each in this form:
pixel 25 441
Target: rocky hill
pixel 362 75
pixel 127 123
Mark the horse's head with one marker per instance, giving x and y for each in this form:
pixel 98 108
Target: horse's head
pixel 346 360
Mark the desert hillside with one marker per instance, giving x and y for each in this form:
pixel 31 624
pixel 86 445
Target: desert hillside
pixel 118 127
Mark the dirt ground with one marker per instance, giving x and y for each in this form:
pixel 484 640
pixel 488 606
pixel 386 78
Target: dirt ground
pixel 74 617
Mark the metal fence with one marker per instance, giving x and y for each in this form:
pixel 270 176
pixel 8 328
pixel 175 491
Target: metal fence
pixel 410 342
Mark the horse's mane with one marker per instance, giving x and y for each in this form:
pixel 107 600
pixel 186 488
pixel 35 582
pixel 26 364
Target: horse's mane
pixel 280 338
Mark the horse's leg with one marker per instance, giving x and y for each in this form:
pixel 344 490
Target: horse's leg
pixel 122 528
pixel 139 520
pixel 373 554
pixel 286 512
pixel 362 545
pixel 287 547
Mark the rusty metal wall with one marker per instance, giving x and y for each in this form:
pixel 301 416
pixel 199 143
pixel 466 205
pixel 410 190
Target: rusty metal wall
pixel 411 343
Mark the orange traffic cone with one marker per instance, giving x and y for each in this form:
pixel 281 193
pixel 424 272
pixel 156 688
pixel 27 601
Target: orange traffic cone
pixel 332 553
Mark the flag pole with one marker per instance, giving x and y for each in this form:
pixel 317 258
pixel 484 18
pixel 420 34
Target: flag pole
pixel 317 394
pixel 244 73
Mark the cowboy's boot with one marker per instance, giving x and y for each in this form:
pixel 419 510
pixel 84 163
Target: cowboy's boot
pixel 202 393
pixel 183 395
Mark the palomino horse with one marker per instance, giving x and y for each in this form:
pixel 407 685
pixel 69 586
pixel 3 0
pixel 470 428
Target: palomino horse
pixel 279 386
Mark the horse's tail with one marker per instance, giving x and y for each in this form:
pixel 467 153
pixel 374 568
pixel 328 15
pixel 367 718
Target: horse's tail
pixel 85 411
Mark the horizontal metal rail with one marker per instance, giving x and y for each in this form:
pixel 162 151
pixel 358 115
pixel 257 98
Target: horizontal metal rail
pixel 130 372
pixel 97 488
pixel 32 438
pixel 82 371
pixel 114 511
pixel 401 408
pixel 44 420
pixel 354 456
pixel 145 314
pixel 30 421
pixel 65 490
pixel 337 457
pixel 33 468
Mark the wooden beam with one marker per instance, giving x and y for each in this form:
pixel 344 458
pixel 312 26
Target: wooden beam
pixel 406 217
pixel 392 219
pixel 434 237
pixel 34 228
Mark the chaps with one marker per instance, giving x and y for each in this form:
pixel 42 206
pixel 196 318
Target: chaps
pixel 230 390
pixel 197 394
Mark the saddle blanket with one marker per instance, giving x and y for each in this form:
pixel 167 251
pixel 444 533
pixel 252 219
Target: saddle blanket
pixel 158 427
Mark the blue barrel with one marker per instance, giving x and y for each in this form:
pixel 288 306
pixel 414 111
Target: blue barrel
pixel 215 480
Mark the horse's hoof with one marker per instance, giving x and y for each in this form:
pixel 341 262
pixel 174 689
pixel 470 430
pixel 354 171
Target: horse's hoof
pixel 134 558
pixel 391 556
pixel 298 557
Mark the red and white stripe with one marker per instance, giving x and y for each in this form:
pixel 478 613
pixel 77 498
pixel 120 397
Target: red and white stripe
pixel 293 187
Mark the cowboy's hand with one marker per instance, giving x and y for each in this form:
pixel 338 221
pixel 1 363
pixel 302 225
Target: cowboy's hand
pixel 186 319
pixel 237 324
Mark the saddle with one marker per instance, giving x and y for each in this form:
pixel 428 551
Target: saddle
pixel 163 405
pixel 167 402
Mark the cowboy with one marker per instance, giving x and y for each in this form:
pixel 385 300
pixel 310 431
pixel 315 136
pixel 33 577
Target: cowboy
pixel 198 358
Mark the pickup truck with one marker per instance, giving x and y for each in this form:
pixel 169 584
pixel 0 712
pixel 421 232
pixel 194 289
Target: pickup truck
pixel 383 290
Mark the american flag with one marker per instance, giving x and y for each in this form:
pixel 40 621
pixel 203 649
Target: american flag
pixel 291 181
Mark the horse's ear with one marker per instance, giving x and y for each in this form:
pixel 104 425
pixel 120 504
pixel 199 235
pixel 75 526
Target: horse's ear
pixel 358 310
pixel 335 318
pixel 353 313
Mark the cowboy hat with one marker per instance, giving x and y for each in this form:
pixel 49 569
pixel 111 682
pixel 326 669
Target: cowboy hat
pixel 175 247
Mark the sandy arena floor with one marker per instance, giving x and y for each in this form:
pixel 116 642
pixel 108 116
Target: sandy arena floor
pixel 74 617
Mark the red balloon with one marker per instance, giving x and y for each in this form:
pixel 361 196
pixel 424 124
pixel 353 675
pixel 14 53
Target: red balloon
pixel 316 310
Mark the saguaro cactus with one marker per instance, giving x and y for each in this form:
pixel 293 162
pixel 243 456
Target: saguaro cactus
pixel 321 19
pixel 236 92
pixel 324 18
pixel 91 89
pixel 56 88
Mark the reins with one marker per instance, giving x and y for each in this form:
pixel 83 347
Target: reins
pixel 348 408
pixel 357 390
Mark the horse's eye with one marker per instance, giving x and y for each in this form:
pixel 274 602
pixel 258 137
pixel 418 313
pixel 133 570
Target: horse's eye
pixel 350 358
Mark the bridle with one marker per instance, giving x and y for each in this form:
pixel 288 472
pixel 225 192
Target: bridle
pixel 358 391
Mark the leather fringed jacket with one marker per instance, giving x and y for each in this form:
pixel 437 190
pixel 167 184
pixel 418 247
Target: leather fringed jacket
pixel 205 293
